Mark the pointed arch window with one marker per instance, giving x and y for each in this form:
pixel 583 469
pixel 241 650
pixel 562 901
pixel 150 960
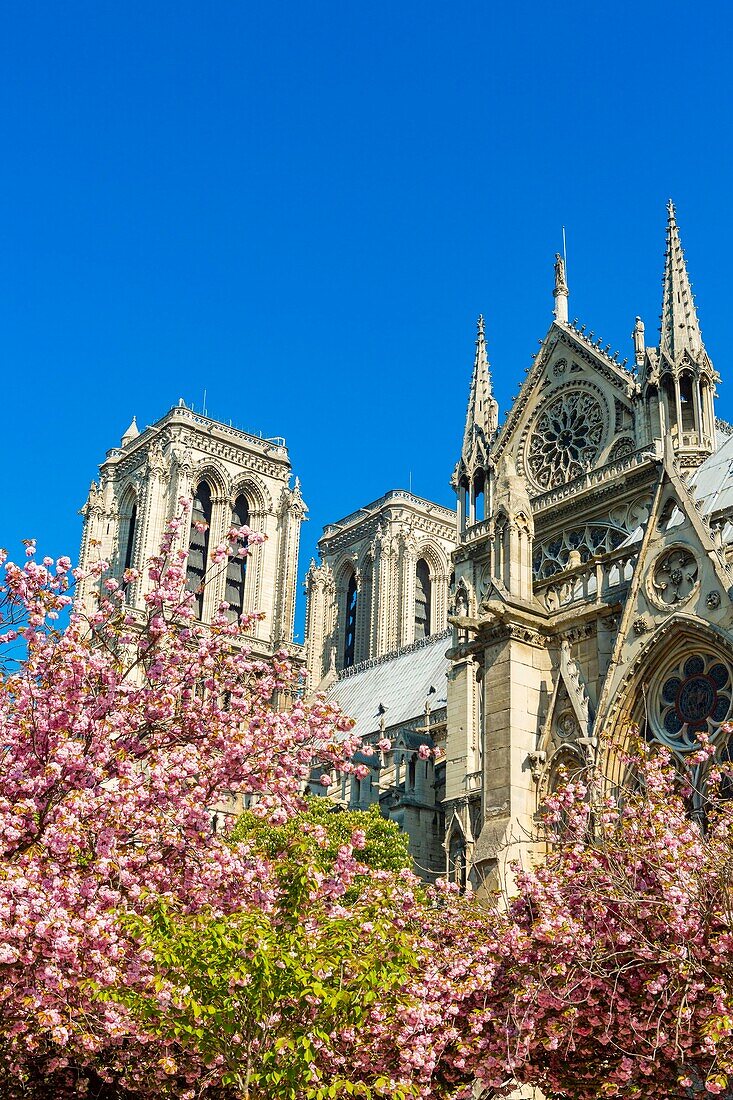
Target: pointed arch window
pixel 130 539
pixel 126 549
pixel 237 567
pixel 686 403
pixel 479 497
pixel 422 600
pixel 352 599
pixel 198 545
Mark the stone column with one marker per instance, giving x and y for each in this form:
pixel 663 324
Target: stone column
pixel 291 517
pixel 315 619
pixel 407 564
pixel 678 408
pixel 257 596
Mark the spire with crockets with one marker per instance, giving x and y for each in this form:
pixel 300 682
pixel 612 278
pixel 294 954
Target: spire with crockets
pixel 482 420
pixel 482 417
pixel 680 328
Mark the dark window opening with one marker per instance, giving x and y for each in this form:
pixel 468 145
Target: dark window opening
pixel 130 545
pixel 670 400
pixel 237 567
pixel 686 405
pixel 422 600
pixel 350 624
pixel 198 546
pixel 479 499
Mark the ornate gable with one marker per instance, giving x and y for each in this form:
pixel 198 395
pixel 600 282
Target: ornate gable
pixel 573 414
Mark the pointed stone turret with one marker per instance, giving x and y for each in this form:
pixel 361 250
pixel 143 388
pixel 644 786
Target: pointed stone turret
pixel 470 476
pixel 482 417
pixel 132 433
pixel 677 379
pixel 680 328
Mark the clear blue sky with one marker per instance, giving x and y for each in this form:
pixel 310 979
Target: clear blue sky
pixel 301 208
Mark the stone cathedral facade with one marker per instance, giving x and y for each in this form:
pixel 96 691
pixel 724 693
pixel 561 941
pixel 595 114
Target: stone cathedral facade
pixel 582 585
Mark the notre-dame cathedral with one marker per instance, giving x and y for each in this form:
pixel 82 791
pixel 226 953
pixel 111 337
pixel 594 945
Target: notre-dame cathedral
pixel 580 587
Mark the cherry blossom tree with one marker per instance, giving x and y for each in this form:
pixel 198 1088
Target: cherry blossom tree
pixel 143 953
pixel 119 734
pixel 612 975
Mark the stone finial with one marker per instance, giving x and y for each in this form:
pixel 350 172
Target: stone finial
pixel 132 433
pixel 561 292
pixel 638 338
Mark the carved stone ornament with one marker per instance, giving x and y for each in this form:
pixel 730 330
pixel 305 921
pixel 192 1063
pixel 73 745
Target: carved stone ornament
pixel 713 600
pixel 567 726
pixel 640 625
pixel 621 448
pixel 675 578
pixel 566 439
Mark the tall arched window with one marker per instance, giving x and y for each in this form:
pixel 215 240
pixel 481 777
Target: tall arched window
pixel 126 546
pixel 479 497
pixel 670 402
pixel 130 539
pixel 350 622
pixel 237 567
pixel 198 546
pixel 422 600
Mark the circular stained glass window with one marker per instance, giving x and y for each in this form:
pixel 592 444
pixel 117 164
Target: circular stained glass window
pixel 566 440
pixel 694 698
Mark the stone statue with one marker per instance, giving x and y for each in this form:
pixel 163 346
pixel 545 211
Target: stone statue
pixel 559 270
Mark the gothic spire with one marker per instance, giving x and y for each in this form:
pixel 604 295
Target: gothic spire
pixel 680 329
pixel 482 417
pixel 132 433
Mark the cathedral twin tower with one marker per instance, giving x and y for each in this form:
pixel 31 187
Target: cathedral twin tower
pixel 586 568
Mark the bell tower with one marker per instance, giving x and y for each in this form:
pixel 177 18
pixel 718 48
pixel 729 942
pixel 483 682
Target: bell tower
pixel 232 480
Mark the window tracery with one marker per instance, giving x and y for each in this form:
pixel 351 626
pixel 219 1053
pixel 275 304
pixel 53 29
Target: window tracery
pixel 621 448
pixel 589 540
pixel 566 439
pixel 694 697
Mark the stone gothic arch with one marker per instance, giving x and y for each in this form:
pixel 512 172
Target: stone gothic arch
pixel 257 495
pixel 680 682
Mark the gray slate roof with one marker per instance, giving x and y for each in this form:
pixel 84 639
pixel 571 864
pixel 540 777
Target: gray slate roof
pixel 712 482
pixel 401 684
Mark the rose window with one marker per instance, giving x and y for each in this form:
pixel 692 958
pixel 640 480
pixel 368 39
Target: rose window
pixel 566 440
pixel 694 699
pixel 675 577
